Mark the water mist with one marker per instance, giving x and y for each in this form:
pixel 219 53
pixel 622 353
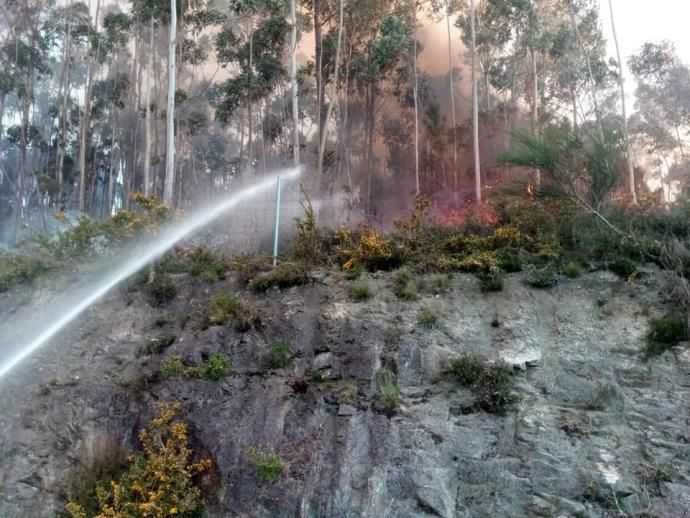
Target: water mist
pixel 25 332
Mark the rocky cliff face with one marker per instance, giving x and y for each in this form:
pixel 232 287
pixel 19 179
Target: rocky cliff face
pixel 596 432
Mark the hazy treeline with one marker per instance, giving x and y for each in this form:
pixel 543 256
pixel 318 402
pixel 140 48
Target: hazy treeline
pixel 88 105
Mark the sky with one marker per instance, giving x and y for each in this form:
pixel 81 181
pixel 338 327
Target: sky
pixel 638 21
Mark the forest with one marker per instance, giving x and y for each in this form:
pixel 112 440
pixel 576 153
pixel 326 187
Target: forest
pixel 179 99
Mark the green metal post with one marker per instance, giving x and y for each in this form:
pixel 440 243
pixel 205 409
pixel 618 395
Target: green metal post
pixel 276 234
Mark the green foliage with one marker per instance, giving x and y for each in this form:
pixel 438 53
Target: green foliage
pixel 360 291
pixel 15 269
pixel 572 270
pixel 268 466
pixel 664 333
pixel 388 395
pixel 285 275
pixel 173 367
pixel 162 289
pixel 541 278
pixel 197 261
pixel 214 368
pixel 492 383
pixel 442 281
pixel 427 317
pixel 160 481
pixel 306 247
pixel 280 355
pixel 509 261
pixel 491 281
pixel 226 307
pixel 624 267
pixel 355 272
pixel 405 285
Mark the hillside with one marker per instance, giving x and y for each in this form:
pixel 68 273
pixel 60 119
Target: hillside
pixel 595 430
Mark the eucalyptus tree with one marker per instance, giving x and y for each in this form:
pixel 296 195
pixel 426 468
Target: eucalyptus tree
pixel 475 106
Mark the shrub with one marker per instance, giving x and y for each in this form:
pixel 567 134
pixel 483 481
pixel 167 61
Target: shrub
pixel 366 247
pixel 160 481
pixel 203 263
pixel 285 275
pixel 467 369
pixel 441 282
pixel 222 308
pixel 665 333
pixel 354 273
pixel 173 367
pixel 280 355
pixel 508 261
pixel 572 270
pixel 491 383
pixel 248 267
pixel 162 289
pixel 15 269
pixel 268 466
pixel 623 267
pixel 491 281
pixel 307 244
pixel 158 345
pixel 541 278
pixel 483 262
pixel 405 285
pixel 215 368
pixel 360 291
pixel 388 394
pixel 427 317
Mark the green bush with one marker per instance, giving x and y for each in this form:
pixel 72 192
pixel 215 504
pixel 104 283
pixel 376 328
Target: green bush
pixel 285 275
pixel 360 291
pixel 15 269
pixel 173 367
pixel 268 466
pixel 665 333
pixel 215 368
pixel 572 270
pixel 203 263
pixel 405 285
pixel 388 393
pixel 623 267
pixel 492 383
pixel 222 308
pixel 509 261
pixel 427 317
pixel 541 278
pixel 492 281
pixel 441 282
pixel 162 289
pixel 355 272
pixel 280 355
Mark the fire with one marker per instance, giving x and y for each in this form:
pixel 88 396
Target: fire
pixel 530 190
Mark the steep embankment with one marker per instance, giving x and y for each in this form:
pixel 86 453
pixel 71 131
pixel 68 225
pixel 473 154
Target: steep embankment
pixel 596 431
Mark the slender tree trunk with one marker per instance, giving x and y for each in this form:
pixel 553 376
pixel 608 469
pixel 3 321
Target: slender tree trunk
pixel 631 166
pixel 3 97
pixel 169 187
pixel 416 108
pixel 147 149
pixel 23 164
pixel 84 128
pixel 475 109
pixel 293 80
pixel 250 118
pixel 333 96
pixel 318 57
pixel 535 108
pixel 62 120
pixel 452 102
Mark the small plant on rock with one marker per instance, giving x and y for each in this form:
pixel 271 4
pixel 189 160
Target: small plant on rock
pixel 388 393
pixel 360 291
pixel 285 275
pixel 492 383
pixel 173 367
pixel 541 278
pixel 280 355
pixel 664 333
pixel 467 369
pixel 572 270
pixel 162 289
pixel 491 281
pixel 624 267
pixel 268 466
pixel 427 317
pixel 215 368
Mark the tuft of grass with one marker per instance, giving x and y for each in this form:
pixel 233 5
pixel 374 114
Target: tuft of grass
pixel 226 307
pixel 492 383
pixel 664 333
pixel 285 275
pixel 624 267
pixel 162 289
pixel 427 317
pixel 509 261
pixel 268 466
pixel 441 282
pixel 280 355
pixel 355 272
pixel 388 393
pixel 405 285
pixel 360 291
pixel 572 270
pixel 158 345
pixel 214 368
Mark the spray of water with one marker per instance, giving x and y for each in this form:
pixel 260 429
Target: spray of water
pixel 22 338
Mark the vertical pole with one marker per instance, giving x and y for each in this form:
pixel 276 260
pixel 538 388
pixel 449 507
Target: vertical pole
pixel 277 228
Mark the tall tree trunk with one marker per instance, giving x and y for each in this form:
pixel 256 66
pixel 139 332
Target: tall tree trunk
pixel 333 96
pixel 62 119
pixel 3 97
pixel 85 122
pixel 452 102
pixel 318 57
pixel 631 166
pixel 416 108
pixel 293 80
pixel 535 108
pixel 475 109
pixel 250 118
pixel 169 187
pixel 149 80
pixel 22 174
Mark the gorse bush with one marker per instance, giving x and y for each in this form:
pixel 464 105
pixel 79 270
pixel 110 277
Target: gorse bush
pixel 366 247
pixel 268 466
pixel 159 482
